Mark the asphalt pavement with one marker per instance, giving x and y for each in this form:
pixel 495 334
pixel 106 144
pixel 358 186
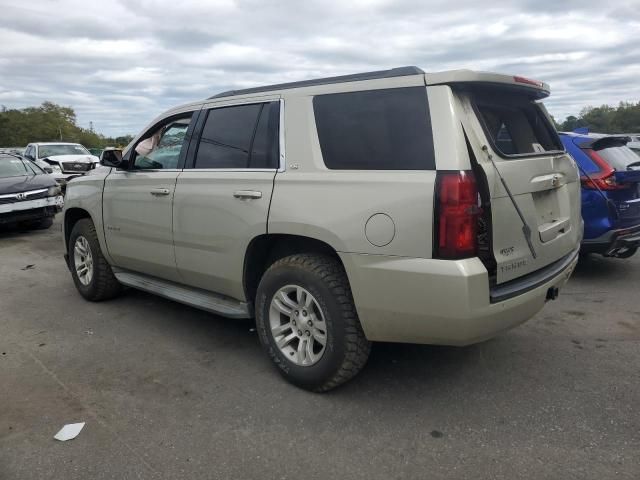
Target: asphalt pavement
pixel 168 391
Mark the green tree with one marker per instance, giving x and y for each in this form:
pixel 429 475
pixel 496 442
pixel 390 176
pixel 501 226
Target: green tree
pixel 49 122
pixel 625 118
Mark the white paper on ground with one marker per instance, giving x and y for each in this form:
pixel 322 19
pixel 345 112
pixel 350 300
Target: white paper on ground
pixel 69 432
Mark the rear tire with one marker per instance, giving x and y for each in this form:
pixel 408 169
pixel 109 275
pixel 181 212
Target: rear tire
pixel 307 322
pixel 91 273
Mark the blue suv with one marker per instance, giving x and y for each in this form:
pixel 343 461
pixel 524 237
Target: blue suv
pixel 610 177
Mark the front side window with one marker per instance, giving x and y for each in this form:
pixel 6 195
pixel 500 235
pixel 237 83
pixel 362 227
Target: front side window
pixel 61 149
pixel 386 129
pixel 242 136
pixel 161 150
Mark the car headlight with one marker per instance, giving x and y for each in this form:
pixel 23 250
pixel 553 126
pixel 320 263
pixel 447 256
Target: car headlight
pixel 54 191
pixel 55 167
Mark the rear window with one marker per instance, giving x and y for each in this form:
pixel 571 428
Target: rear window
pixel 387 129
pixel 515 124
pixel 620 158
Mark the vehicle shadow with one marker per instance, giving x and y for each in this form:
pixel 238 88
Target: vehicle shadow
pixel 601 268
pixel 393 368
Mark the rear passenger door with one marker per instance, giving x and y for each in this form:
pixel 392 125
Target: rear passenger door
pixel 222 197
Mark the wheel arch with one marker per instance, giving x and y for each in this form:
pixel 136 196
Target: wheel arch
pixel 264 250
pixel 71 217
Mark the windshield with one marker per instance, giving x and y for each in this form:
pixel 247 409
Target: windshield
pixel 51 150
pixel 620 158
pixel 13 167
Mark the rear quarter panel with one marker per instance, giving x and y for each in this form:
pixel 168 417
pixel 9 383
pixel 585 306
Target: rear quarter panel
pixel 334 206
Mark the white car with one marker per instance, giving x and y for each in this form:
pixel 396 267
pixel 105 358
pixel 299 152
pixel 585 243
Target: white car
pixel 65 160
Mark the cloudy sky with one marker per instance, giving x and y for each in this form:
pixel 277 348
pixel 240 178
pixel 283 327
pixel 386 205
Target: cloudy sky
pixel 118 63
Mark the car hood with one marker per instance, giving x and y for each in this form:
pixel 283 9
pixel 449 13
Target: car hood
pixel 73 158
pixel 25 183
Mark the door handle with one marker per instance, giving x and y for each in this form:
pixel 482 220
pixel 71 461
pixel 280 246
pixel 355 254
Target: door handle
pixel 159 191
pixel 247 194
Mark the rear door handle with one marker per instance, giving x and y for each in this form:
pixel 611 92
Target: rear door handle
pixel 247 194
pixel 159 191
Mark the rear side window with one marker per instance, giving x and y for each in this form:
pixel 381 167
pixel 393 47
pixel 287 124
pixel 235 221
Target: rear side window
pixel 620 158
pixel 386 129
pixel 243 136
pixel 515 124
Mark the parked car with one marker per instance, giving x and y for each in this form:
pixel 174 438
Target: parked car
pixel 610 192
pixel 64 160
pixel 386 206
pixel 633 143
pixel 28 196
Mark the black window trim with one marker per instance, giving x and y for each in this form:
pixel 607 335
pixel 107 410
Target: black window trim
pixel 197 134
pixel 514 156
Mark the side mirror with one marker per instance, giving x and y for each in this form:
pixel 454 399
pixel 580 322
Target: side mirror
pixel 111 157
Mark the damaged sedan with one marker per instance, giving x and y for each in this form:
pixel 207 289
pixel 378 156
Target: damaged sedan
pixel 29 198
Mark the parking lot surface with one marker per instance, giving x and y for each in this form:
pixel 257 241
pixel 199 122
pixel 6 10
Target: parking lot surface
pixel 167 391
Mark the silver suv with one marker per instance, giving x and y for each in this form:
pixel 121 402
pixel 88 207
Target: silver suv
pixel 395 206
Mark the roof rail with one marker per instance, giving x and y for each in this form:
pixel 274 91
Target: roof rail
pixel 393 72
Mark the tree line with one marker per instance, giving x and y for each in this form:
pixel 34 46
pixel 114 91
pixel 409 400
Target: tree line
pixel 50 122
pixel 625 118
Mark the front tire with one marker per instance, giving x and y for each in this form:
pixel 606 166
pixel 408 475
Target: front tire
pixel 307 322
pixel 91 273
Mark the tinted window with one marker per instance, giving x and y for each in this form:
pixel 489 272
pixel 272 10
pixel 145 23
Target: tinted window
pixel 264 152
pixel 244 136
pixel 514 123
pixel 375 130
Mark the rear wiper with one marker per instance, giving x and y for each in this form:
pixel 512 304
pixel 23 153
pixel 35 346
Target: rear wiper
pixel 526 230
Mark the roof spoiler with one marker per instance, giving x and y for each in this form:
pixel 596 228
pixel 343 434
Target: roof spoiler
pixel 604 142
pixel 533 88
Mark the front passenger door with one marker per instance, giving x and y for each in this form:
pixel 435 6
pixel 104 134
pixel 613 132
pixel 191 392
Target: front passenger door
pixel 138 201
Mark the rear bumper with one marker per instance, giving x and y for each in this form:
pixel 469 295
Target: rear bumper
pixel 414 300
pixel 612 240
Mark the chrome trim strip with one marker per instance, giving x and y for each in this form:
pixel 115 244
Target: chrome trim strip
pixel 283 158
pixel 533 280
pixel 27 193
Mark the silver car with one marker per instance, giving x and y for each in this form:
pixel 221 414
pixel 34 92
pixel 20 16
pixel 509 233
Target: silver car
pixel 392 206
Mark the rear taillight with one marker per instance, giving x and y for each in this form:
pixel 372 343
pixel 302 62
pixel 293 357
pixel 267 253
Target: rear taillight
pixel 605 179
pixel 456 215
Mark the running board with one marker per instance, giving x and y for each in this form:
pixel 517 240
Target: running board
pixel 193 297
